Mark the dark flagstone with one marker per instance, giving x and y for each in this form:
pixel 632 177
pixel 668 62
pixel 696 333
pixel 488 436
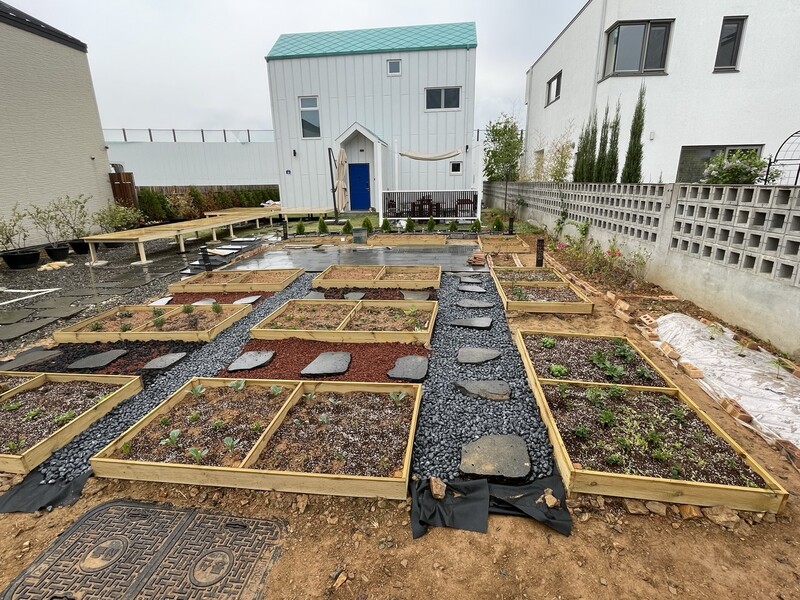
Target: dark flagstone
pixel 476 323
pixel 354 295
pixel 470 280
pixel 29 358
pixel 472 288
pixel 502 458
pixel 97 361
pixel 164 362
pixel 247 300
pixel 61 313
pixel 328 363
pixel 490 389
pixel 409 368
pixel 7 317
pixel 415 295
pixel 474 304
pixel 11 332
pixel 476 356
pixel 252 360
pixel 315 296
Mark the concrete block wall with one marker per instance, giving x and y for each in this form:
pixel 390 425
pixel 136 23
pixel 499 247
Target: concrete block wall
pixel 733 250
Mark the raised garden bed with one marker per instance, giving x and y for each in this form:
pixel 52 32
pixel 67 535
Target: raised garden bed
pixel 346 321
pixel 351 439
pixel 366 277
pixel 262 280
pixel 633 441
pixel 374 293
pixel 502 243
pixel 540 275
pixel 187 323
pixel 407 239
pixel 11 379
pixel 542 297
pixel 50 409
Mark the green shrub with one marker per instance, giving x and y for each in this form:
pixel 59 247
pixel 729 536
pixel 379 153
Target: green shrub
pixel 116 217
pixel 498 225
pixel 738 167
pixel 476 226
pixel 347 228
pixel 410 225
pixel 367 224
pixel 431 226
pixel 386 226
pixel 197 200
pixel 299 229
pixel 322 226
pixel 154 205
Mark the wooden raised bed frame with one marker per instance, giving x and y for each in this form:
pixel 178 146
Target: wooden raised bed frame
pixel 72 335
pixel 407 239
pixel 488 243
pixel 24 463
pixel 256 479
pixel 581 308
pixel 771 499
pixel 321 281
pixel 341 333
pixel 236 284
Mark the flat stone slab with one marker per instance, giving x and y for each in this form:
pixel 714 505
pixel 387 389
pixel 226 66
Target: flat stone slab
pixel 472 288
pixel 247 300
pixel 204 302
pixel 84 291
pixel 7 317
pixel 315 296
pixel 354 295
pixel 161 301
pixel 30 358
pixel 476 356
pixel 476 323
pixel 470 281
pixel 93 299
pixel 414 295
pixel 409 368
pixel 164 362
pixel 252 360
pixel 490 389
pixel 496 457
pixel 328 363
pixel 11 332
pixel 61 313
pixel 474 304
pixel 97 361
pixel 300 246
pixel 54 302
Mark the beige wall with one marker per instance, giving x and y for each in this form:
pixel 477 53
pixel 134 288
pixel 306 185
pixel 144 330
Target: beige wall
pixel 49 125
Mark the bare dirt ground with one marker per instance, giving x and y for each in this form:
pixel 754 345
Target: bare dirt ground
pixel 610 555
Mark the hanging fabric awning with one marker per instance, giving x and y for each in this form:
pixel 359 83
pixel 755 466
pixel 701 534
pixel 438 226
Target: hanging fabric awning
pixel 440 156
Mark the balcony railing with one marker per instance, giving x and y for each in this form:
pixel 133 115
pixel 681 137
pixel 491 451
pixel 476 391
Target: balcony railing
pixel 189 135
pixel 423 204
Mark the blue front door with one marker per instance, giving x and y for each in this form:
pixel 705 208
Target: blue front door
pixel 359 186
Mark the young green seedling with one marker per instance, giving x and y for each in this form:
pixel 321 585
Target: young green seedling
pixel 547 342
pixel 397 397
pixel 65 418
pixel 157 312
pixel 217 424
pixel 172 440
pixel 238 385
pixel 216 308
pixel 230 443
pixel 194 417
pixel 197 390
pixel 159 323
pixel 197 454
pixel 96 326
pixel 187 309
pixel 276 390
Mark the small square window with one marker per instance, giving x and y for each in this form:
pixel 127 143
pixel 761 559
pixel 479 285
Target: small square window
pixel 553 89
pixel 393 67
pixel 455 167
pixel 442 98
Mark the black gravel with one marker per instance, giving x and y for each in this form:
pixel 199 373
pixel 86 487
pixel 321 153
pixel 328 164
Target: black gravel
pixel 449 419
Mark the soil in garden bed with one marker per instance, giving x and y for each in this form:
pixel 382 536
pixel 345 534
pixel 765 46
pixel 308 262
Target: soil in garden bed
pixel 123 318
pixel 30 416
pixel 200 319
pixel 7 382
pixel 369 362
pixel 214 277
pixel 620 362
pixel 312 315
pixel 643 433
pixel 221 297
pixel 373 293
pixel 376 318
pixel 266 276
pixel 503 260
pixel 352 273
pixel 540 294
pixel 204 423
pixel 417 275
pixel 356 433
pixel 532 275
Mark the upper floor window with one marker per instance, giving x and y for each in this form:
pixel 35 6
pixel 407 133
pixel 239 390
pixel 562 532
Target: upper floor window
pixel 553 89
pixel 442 98
pixel 637 47
pixel 455 167
pixel 393 67
pixel 309 116
pixel 730 39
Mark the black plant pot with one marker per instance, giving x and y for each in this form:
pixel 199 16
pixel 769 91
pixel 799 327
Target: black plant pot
pixel 79 246
pixel 21 259
pixel 113 244
pixel 58 252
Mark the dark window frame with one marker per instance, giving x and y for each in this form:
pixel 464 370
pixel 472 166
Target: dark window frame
pixel 732 68
pixel 442 96
pixel 557 80
pixel 642 70
pixel 306 110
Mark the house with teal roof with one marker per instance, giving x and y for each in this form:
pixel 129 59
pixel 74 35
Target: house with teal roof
pixel 391 110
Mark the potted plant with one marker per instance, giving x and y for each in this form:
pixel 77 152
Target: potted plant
pixel 46 219
pixel 116 217
pixel 74 219
pixel 12 236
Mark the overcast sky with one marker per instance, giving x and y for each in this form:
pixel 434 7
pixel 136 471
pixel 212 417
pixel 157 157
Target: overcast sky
pixel 191 64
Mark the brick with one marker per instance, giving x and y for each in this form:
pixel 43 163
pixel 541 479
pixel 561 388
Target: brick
pixel 647 333
pixel 796 372
pixel 611 297
pixel 734 409
pixel 624 316
pixel 690 370
pixel 622 305
pixel 791 451
pixel 648 319
pixel 670 297
pixel 669 351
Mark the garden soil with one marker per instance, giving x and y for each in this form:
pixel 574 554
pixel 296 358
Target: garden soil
pixel 610 554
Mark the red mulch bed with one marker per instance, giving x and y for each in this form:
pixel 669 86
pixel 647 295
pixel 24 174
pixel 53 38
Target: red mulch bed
pixel 372 293
pixel 221 297
pixel 369 362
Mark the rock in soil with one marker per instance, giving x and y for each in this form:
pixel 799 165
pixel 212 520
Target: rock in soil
pixel 722 515
pixel 496 457
pixel 438 488
pixel 476 323
pixel 409 368
pixel 476 356
pixel 327 363
pixel 490 389
pixel 635 507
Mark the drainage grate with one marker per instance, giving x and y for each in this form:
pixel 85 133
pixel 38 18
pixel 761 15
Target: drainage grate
pixel 127 550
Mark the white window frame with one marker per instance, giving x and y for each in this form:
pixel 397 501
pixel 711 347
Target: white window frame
pixel 556 79
pixel 460 167
pixel 399 67
pixel 442 89
pixel 309 109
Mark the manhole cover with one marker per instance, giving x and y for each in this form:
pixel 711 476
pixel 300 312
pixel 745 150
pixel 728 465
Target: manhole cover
pixel 130 550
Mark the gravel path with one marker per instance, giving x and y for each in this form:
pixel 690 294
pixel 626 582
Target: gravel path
pixel 449 419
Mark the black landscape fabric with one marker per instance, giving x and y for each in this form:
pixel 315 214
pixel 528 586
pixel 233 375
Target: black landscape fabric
pixel 31 494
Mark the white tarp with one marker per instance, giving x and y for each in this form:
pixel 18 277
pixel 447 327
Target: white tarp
pixel 440 156
pixel 770 395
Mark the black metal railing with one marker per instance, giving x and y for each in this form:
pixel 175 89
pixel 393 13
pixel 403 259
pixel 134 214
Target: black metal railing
pixel 422 204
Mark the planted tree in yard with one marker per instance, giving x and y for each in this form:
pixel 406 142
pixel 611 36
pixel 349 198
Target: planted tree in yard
pixel 632 170
pixel 476 226
pixel 347 228
pixel 497 225
pixel 611 164
pixel 502 149
pixel 299 229
pixel 559 153
pixel 602 150
pixel 322 226
pixel 410 225
pixel 386 227
pixel 453 227
pixel 431 226
pixel 591 148
pixel 367 224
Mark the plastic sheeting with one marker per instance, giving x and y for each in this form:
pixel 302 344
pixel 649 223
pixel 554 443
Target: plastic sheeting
pixel 751 377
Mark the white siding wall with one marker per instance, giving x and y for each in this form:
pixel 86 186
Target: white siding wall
pixel 198 163
pixel 689 106
pixel 355 88
pixel 49 125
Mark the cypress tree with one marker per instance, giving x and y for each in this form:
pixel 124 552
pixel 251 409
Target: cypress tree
pixel 632 170
pixel 602 151
pixel 611 167
pixel 591 148
pixel 579 170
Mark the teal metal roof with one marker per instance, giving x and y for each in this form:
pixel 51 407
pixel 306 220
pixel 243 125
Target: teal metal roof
pixel 368 41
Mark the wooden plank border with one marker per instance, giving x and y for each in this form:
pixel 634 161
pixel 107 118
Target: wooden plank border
pixel 380 282
pixel 407 239
pixel 558 283
pixel 72 333
pixel 518 245
pixel 238 284
pixel 586 307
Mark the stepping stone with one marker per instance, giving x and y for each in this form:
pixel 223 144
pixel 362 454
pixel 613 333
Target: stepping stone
pixel 409 368
pixel 7 317
pixel 328 363
pixel 490 389
pixel 474 304
pixel 472 288
pixel 252 360
pixel 415 295
pixel 204 302
pixel 30 358
pixel 97 361
pixel 161 301
pixel 247 300
pixel 315 296
pixel 470 280
pixel 501 458
pixel 92 299
pixel 61 313
pixel 354 295
pixel 11 332
pixel 477 323
pixel 54 302
pixel 82 292
pixel 476 356
pixel 164 362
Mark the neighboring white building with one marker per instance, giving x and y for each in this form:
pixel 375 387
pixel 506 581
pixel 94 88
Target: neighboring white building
pixel 390 97
pixel 719 75
pixel 51 140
